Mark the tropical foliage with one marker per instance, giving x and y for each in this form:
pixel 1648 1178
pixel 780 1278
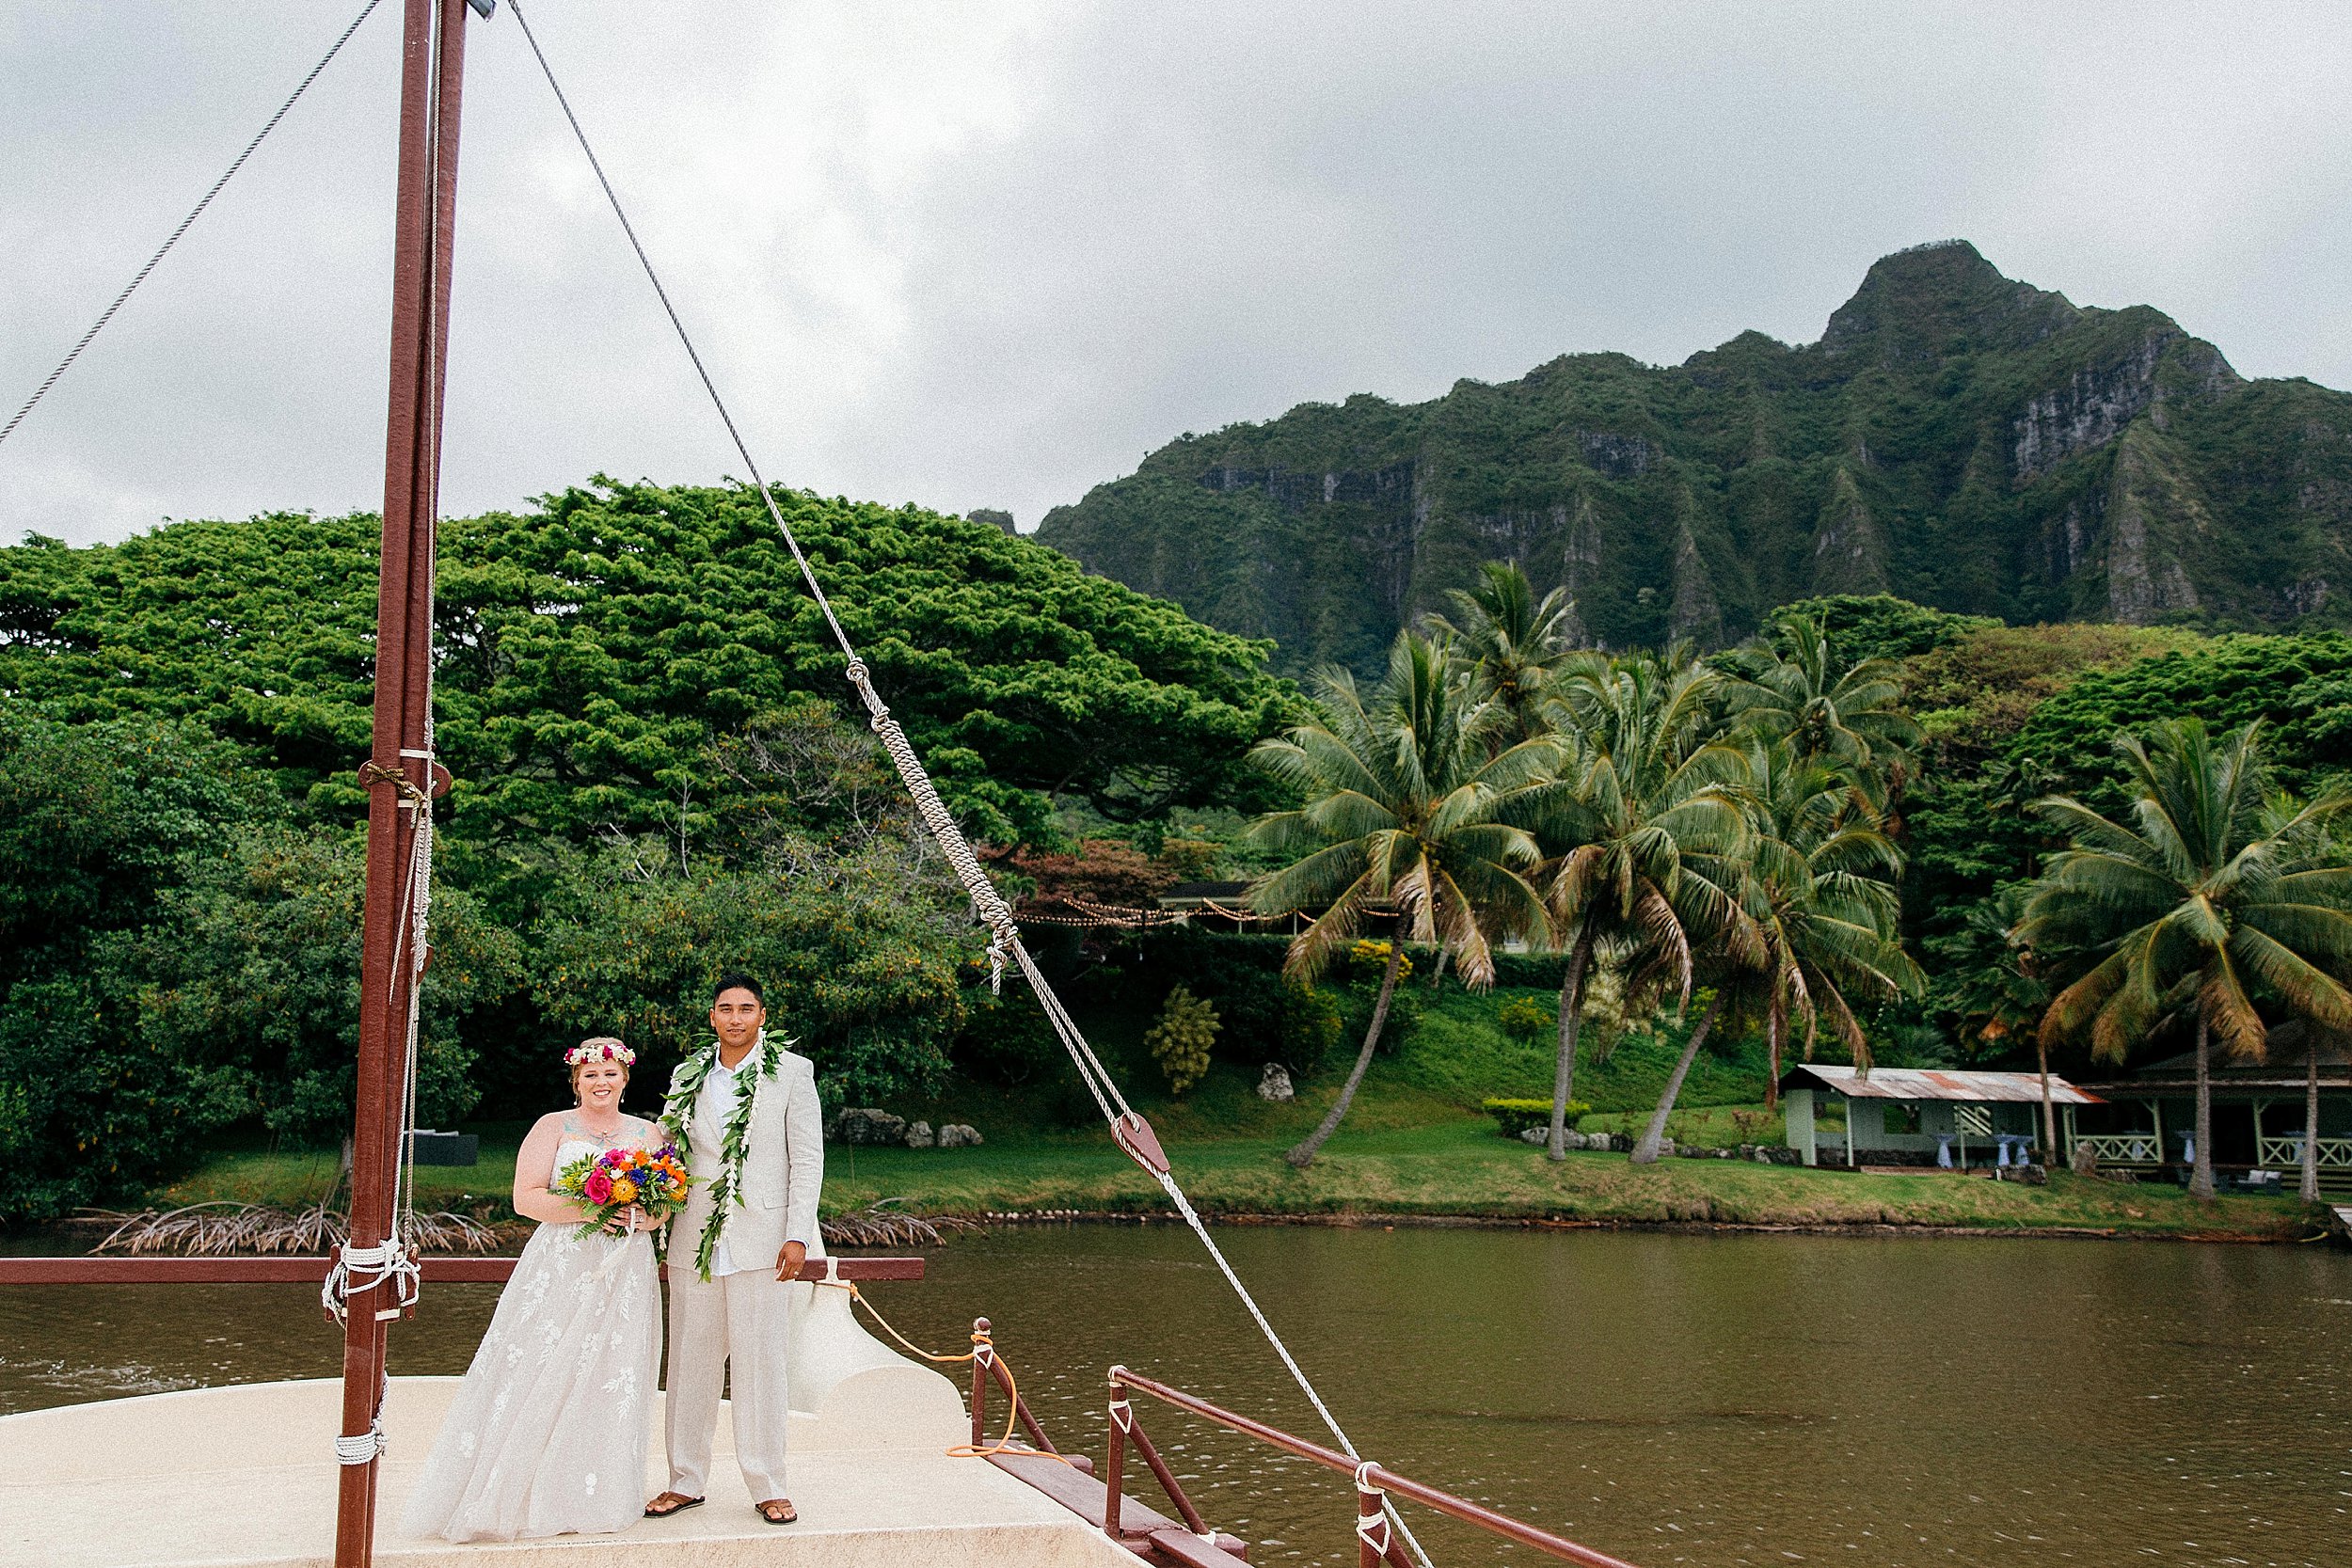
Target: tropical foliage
pixel 1400 825
pixel 2218 898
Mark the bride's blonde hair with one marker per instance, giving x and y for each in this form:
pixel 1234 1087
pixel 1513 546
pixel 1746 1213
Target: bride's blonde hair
pixel 598 1048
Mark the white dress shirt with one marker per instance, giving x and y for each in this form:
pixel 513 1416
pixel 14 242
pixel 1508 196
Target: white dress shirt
pixel 705 1139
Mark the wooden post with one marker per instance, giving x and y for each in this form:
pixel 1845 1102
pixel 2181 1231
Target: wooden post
pixel 981 1352
pixel 1115 1461
pixel 432 67
pixel 1372 1526
pixel 1850 1105
pixel 2155 1109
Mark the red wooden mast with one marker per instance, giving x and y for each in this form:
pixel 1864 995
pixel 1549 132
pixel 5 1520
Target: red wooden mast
pixel 399 773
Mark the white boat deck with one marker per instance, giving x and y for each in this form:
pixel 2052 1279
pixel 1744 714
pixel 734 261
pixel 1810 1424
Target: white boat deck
pixel 247 1476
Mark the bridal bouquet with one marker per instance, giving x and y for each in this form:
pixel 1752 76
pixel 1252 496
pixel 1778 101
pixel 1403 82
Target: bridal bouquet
pixel 606 1184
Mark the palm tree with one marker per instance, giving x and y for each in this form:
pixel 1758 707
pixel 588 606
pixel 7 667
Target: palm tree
pixel 2213 897
pixel 1401 821
pixel 1514 644
pixel 1797 688
pixel 1642 825
pixel 1816 926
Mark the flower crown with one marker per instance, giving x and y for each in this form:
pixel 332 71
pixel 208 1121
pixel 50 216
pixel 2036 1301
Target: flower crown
pixel 600 1050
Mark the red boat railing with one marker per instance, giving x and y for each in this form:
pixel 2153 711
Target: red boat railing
pixel 1375 1540
pixel 1374 1482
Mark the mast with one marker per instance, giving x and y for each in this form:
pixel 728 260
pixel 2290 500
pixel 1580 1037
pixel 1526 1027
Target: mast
pixel 399 773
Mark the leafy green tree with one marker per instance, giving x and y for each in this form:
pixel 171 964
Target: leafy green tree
pixel 2213 897
pixel 1513 643
pixel 1880 626
pixel 1400 822
pixel 99 824
pixel 865 964
pixel 1642 824
pixel 248 974
pixel 589 652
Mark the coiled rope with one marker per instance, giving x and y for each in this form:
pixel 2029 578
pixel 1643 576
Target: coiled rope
pixel 988 905
pixel 194 212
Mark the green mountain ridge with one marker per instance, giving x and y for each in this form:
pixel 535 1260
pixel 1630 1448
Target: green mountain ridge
pixel 1957 437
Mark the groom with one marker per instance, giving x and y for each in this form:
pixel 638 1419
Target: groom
pixel 744 1109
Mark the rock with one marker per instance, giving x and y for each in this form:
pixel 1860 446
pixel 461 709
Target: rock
pixel 1274 1083
pixel 2086 1161
pixel 957 1134
pixel 918 1134
pixel 1539 1136
pixel 865 1125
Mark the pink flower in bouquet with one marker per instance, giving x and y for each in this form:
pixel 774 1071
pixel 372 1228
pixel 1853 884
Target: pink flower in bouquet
pixel 598 1188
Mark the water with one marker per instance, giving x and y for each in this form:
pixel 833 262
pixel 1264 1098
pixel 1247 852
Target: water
pixel 1674 1399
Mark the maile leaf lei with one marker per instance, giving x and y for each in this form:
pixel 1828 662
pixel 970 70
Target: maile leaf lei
pixel 677 1116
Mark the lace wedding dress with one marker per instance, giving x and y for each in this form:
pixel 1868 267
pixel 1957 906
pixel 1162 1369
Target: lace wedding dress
pixel 547 1432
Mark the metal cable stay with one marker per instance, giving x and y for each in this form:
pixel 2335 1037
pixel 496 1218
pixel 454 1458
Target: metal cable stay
pixel 194 212
pixel 1128 1129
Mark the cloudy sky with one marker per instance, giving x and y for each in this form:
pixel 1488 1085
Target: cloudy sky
pixel 987 255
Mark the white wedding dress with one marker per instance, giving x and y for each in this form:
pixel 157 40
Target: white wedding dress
pixel 548 1433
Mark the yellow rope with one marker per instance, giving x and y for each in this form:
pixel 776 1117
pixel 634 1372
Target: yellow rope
pixel 980 1342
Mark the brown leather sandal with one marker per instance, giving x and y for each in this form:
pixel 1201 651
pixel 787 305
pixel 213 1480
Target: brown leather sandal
pixel 789 1514
pixel 679 1502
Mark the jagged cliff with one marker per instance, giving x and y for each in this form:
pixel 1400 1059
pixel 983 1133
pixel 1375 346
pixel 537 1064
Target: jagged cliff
pixel 1956 437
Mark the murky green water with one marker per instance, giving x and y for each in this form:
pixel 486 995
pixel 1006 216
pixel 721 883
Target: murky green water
pixel 1673 1399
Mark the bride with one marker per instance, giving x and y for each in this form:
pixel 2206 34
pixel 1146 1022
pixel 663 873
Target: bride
pixel 548 1433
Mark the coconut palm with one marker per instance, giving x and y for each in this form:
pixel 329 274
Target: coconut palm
pixel 1514 644
pixel 1400 824
pixel 1643 826
pixel 2214 898
pixel 1815 930
pixel 1797 688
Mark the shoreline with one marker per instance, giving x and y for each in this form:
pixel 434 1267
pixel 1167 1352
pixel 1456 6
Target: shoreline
pixel 75 1235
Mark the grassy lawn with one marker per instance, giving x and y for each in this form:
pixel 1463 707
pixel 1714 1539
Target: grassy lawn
pixel 1413 1145
pixel 1457 1166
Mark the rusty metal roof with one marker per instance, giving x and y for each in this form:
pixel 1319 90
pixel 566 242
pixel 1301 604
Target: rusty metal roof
pixel 1903 1082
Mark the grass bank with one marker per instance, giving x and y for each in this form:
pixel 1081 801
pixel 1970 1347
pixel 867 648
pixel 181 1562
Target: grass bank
pixel 1412 1145
pixel 1458 1167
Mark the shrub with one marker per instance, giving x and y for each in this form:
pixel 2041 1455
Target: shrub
pixel 1369 956
pixel 1523 1017
pixel 1311 1028
pixel 1518 1115
pixel 1180 1041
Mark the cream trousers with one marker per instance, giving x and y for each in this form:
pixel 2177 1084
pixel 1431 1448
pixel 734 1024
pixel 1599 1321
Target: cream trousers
pixel 735 1319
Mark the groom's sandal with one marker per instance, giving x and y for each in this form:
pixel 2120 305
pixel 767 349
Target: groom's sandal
pixel 777 1511
pixel 669 1504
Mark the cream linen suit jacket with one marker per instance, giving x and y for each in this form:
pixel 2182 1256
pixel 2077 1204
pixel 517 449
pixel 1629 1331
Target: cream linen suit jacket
pixel 783 1170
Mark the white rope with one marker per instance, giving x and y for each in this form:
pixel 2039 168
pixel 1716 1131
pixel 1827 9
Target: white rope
pixel 988 905
pixel 361 1448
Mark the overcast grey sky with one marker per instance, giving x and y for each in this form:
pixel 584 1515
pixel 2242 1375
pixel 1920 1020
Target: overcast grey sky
pixel 987 255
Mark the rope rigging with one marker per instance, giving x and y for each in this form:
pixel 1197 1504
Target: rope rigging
pixel 1128 1130
pixel 194 212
